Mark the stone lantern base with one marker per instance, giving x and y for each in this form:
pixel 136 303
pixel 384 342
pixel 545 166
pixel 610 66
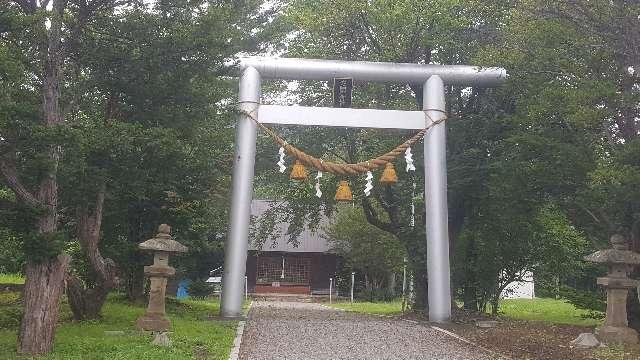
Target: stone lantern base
pixel 153 322
pixel 616 335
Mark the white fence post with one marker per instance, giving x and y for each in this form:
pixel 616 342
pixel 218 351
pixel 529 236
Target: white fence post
pixel 330 288
pixel 404 284
pixel 353 279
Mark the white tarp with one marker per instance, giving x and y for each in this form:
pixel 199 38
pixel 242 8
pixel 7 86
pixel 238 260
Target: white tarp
pixel 520 289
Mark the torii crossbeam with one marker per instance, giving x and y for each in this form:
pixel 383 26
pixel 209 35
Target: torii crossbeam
pixel 432 77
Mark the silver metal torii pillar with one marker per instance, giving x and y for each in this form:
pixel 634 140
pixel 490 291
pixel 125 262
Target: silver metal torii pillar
pixel 432 77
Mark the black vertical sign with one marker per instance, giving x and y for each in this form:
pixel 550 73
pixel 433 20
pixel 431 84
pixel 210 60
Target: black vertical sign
pixel 342 88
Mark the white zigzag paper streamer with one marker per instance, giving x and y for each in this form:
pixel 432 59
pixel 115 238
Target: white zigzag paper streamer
pixel 281 162
pixel 369 185
pixel 318 191
pixel 408 156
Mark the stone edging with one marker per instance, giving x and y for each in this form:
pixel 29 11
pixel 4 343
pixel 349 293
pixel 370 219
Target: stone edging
pixel 235 351
pixel 438 329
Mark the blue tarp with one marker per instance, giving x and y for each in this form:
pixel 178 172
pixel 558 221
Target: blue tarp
pixel 183 285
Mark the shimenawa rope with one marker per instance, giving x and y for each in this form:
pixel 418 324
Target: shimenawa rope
pixel 345 169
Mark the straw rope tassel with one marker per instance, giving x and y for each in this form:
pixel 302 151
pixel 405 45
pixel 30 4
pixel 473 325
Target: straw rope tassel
pixel 389 176
pixel 298 172
pixel 344 192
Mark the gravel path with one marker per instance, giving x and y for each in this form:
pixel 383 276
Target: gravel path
pixel 288 330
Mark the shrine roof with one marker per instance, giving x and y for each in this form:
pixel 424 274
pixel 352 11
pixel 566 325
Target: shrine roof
pixel 309 240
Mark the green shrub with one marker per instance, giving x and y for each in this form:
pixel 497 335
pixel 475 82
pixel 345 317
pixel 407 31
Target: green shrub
pixel 11 251
pixel 587 300
pixel 375 295
pixel 200 289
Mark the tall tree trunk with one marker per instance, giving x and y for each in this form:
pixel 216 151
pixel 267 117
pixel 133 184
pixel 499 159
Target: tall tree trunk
pixel 495 304
pixel 141 215
pixel 469 288
pixel 633 301
pixel 391 284
pixel 421 301
pixel 42 291
pixel 135 274
pixel 135 285
pixel 86 301
pixel 469 296
pixel 45 280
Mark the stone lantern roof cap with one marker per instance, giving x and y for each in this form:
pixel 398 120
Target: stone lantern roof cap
pixel 620 254
pixel 163 242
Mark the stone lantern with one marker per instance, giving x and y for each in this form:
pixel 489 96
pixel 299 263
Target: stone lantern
pixel 162 245
pixel 620 262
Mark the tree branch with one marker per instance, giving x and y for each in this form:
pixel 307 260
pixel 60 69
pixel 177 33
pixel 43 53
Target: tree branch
pixel 373 218
pixel 89 226
pixel 369 34
pixel 10 174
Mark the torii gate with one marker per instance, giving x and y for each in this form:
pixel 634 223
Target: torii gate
pixel 432 77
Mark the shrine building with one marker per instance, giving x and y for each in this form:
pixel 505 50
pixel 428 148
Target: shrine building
pixel 279 267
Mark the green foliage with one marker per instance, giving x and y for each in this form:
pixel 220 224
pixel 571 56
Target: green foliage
pixel 190 334
pixel 366 249
pixel 10 310
pixel 538 173
pixel 589 300
pixel 376 294
pixel 200 289
pixel 503 246
pixel 11 252
pixel 13 219
pixel 39 247
pixel 146 97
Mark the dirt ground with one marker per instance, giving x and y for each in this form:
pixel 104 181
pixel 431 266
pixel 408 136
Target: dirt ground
pixel 526 340
pixel 518 339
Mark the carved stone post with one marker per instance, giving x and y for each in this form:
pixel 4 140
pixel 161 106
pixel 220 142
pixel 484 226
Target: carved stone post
pixel 162 245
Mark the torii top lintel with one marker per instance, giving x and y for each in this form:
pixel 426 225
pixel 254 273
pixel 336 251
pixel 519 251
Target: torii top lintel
pixel 311 69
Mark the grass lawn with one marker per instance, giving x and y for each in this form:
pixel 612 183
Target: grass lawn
pixel 379 308
pixel 547 310
pixel 11 279
pixel 191 332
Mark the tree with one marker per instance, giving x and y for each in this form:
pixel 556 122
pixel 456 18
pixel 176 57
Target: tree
pixel 437 32
pixel 150 129
pixel 367 250
pixel 133 112
pixel 568 101
pixel 45 271
pixel 574 65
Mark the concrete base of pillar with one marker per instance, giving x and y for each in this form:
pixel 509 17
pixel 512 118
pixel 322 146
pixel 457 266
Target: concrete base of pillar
pixel 615 334
pixel 153 322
